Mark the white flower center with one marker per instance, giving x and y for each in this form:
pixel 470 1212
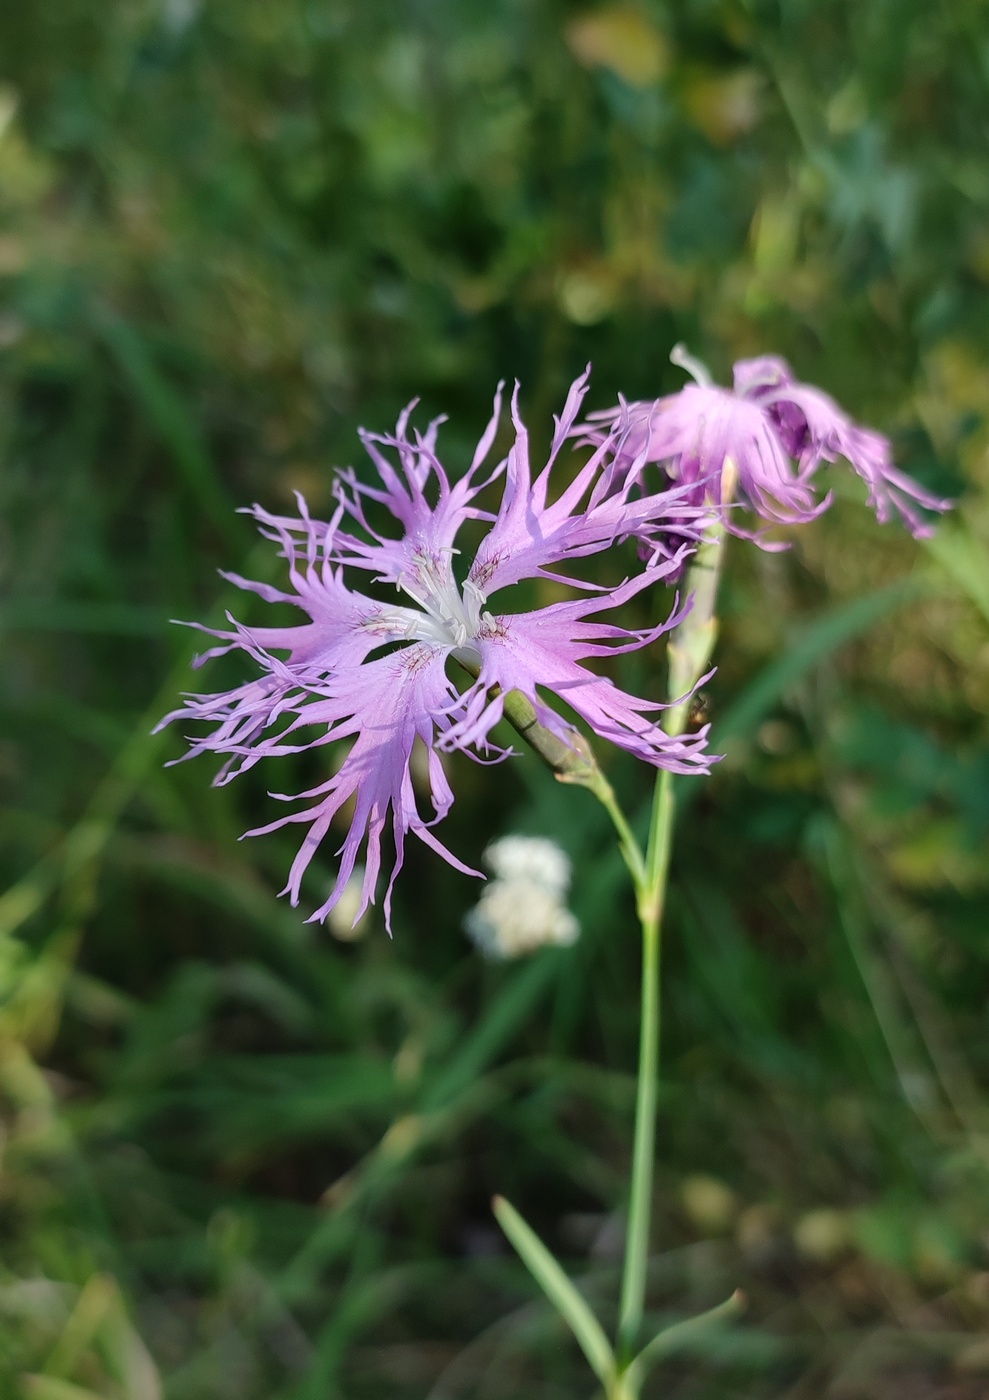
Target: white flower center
pixel 450 616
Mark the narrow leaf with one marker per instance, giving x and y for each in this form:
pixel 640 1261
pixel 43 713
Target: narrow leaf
pixel 682 1336
pixel 51 1388
pixel 558 1289
pixel 95 1300
pixel 168 413
pixel 964 557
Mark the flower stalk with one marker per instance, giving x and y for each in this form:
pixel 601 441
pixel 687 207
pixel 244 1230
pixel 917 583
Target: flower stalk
pixel 570 760
pixel 574 763
pixel 689 653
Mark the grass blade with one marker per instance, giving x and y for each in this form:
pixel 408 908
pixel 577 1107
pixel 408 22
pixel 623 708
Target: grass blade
pixel 38 1387
pixel 171 418
pixel 964 558
pixel 819 640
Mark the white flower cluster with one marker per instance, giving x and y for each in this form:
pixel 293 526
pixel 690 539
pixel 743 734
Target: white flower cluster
pixel 524 907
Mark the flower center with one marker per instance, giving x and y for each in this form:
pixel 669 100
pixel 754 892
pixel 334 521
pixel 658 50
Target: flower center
pixel 451 616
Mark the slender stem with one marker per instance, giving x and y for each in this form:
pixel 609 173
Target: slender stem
pixel 658 850
pixel 690 651
pixel 650 904
pixel 629 847
pixel 640 1201
pixel 623 1387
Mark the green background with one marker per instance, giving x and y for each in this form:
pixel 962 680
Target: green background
pixel 245 1159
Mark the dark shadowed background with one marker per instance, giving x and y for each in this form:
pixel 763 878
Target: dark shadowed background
pixel 245 1160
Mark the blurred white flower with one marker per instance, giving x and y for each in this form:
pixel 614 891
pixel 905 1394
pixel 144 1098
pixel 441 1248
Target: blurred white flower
pixel 534 858
pixel 523 908
pixel 347 920
pixel 178 15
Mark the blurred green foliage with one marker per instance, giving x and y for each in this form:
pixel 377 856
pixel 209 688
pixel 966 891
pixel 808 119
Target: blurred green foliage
pixel 245 1160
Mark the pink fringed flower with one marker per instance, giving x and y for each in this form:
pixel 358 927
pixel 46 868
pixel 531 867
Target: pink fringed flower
pixel 776 433
pixel 378 674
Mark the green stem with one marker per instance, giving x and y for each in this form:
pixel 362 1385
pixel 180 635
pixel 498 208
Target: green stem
pixel 690 648
pixel 630 849
pixel 643 1154
pixel 650 906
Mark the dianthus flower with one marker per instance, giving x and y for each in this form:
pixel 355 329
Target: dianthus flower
pixel 774 431
pixel 376 673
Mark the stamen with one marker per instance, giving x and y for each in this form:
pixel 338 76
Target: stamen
pixel 699 371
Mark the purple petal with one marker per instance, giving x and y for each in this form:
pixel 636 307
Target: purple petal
pixel 384 707
pixel 824 432
pixel 592 513
pixel 542 651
